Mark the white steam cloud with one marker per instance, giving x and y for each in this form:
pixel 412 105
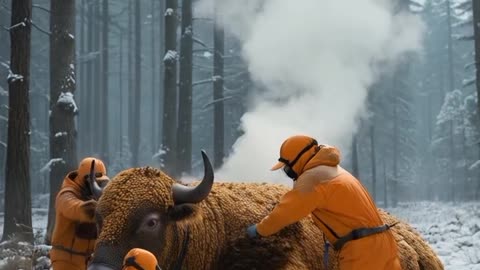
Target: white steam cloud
pixel 315 60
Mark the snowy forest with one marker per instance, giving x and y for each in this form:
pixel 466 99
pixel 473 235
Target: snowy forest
pixel 153 82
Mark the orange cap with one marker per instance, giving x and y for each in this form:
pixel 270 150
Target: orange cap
pixel 100 170
pixel 291 148
pixel 138 257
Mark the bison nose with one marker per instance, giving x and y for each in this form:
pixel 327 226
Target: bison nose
pixel 99 266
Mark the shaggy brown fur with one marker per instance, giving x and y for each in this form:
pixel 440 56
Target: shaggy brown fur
pixel 217 227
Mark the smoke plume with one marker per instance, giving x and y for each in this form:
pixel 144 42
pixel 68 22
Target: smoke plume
pixel 314 61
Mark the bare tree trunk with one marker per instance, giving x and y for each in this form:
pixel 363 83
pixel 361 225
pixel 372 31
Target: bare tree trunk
pixel 153 112
pixel 452 162
pixel 355 157
pixel 161 69
pixel 120 89
pixel 130 90
pixel 18 211
pixel 395 152
pixel 97 96
pixel 138 86
pixel 184 144
pixel 451 75
pixel 104 89
pixel 169 129
pixel 476 31
pixel 80 67
pixel 90 89
pixel 218 107
pixel 430 183
pixel 385 182
pixel 374 162
pixel 4 58
pixel 63 108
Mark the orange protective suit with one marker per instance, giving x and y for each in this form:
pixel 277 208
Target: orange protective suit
pixel 336 198
pixel 75 232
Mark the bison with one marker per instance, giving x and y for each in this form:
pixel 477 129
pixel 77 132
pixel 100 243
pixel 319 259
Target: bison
pixel 203 226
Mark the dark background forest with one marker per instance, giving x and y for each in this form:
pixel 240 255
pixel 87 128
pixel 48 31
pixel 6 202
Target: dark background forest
pixel 143 82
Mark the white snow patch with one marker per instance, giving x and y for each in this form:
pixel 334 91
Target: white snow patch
pixel 168 12
pixel 12 77
pixel 60 134
pixel 475 165
pixel 66 98
pixel 170 55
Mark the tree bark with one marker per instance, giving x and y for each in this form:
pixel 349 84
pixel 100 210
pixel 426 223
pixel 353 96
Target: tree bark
pixel 395 149
pixel 184 144
pixel 104 89
pixel 451 74
pixel 218 107
pixel 97 90
pixel 138 86
pixel 374 162
pixel 90 83
pixel 4 57
pixel 82 87
pixel 476 31
pixel 62 84
pixel 355 171
pixel 153 112
pixel 18 213
pixel 130 90
pixel 169 123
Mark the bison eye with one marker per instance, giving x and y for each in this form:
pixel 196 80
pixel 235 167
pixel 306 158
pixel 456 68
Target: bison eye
pixel 152 223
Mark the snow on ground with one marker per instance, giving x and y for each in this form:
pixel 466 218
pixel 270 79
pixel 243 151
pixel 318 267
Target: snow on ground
pixel 452 229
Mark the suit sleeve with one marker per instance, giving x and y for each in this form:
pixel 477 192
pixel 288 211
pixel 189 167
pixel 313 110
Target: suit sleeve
pixel 293 206
pixel 70 207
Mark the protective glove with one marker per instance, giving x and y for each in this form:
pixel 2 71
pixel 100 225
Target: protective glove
pixel 252 231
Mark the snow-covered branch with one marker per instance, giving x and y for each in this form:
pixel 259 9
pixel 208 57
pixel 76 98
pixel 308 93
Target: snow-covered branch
pixel 12 77
pixel 467 37
pixel 50 164
pixel 20 24
pixel 41 8
pixel 170 56
pixel 202 82
pixel 468 82
pixel 199 41
pixel 216 101
pixel 88 57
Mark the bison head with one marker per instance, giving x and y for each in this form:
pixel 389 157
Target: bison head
pixel 137 210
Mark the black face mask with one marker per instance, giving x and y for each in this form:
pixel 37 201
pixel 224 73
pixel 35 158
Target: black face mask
pixel 288 168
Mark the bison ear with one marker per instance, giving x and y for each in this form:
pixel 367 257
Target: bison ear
pixel 184 212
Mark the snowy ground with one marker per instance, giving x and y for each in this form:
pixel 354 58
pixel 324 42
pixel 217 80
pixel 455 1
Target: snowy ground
pixel 453 229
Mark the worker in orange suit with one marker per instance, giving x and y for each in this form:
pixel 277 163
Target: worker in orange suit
pixel 140 259
pixel 75 231
pixel 338 203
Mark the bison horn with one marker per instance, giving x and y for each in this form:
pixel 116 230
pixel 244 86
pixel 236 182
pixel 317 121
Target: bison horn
pixel 185 194
pixel 92 181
